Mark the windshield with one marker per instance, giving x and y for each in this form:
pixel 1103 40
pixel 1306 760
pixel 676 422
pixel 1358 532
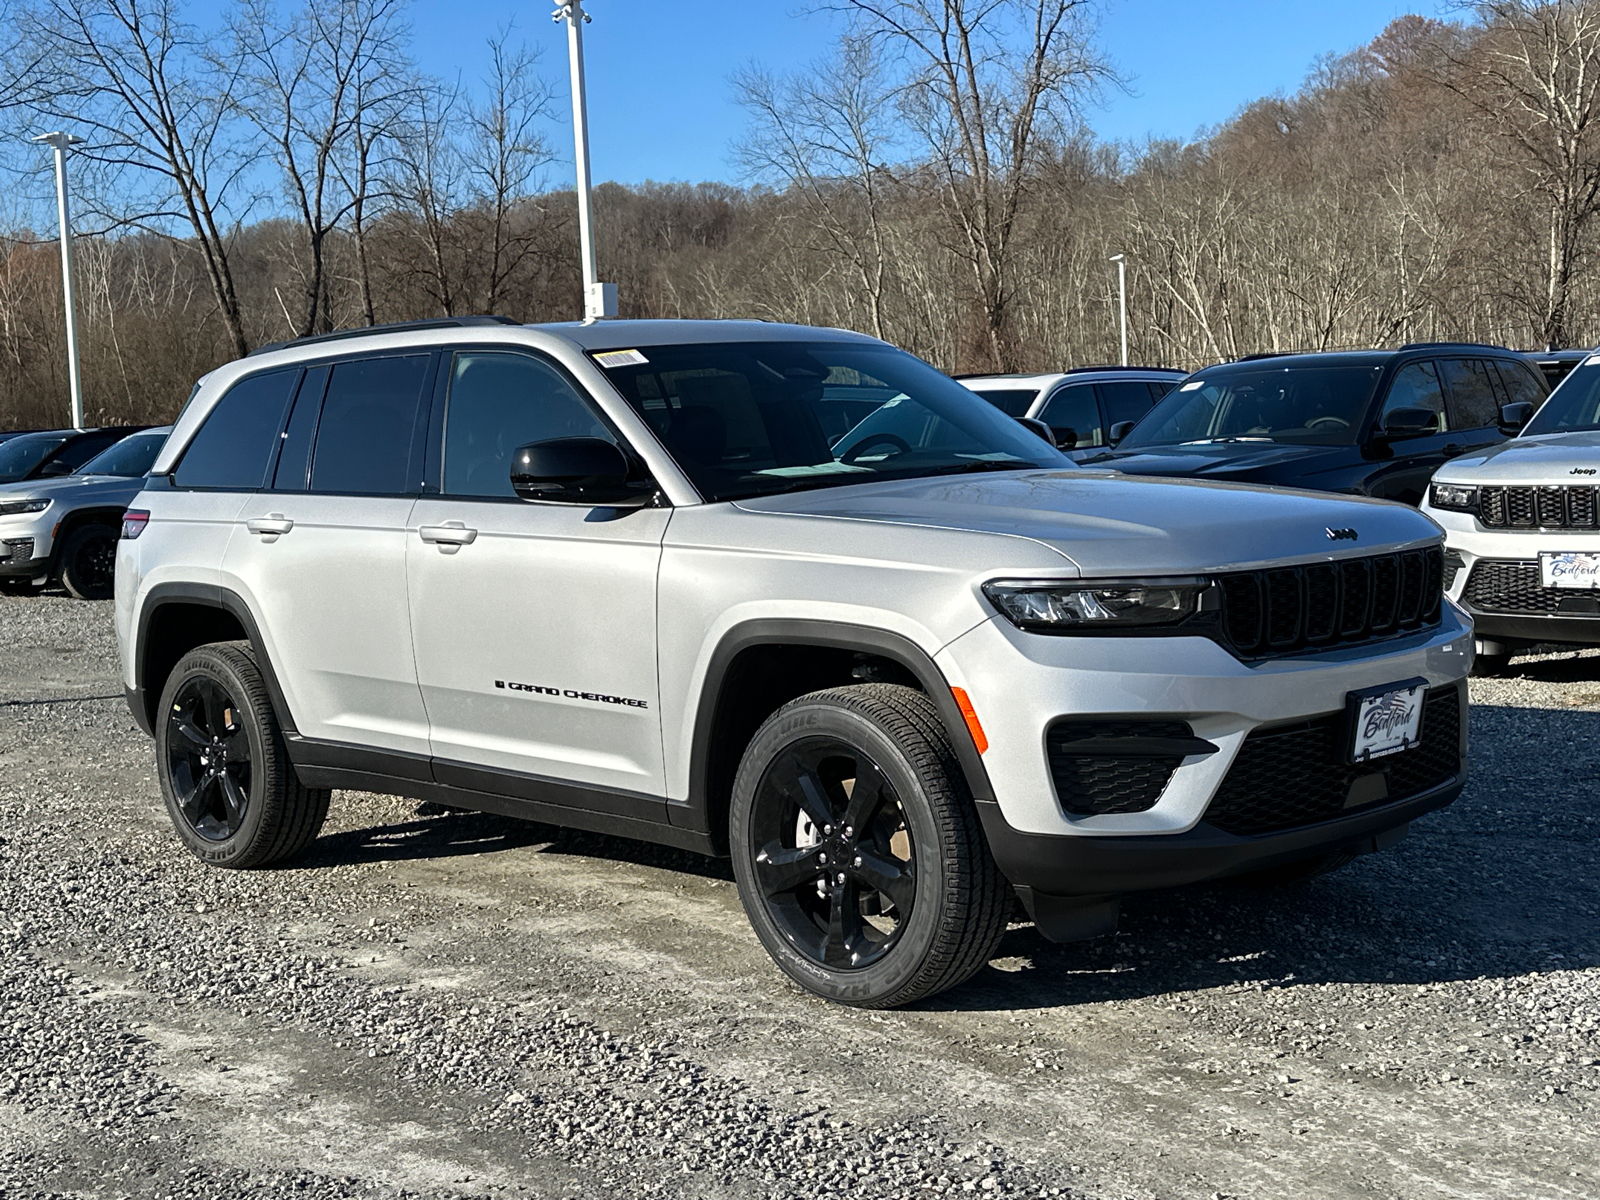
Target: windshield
pixel 131 457
pixel 1573 406
pixel 749 418
pixel 19 455
pixel 1320 406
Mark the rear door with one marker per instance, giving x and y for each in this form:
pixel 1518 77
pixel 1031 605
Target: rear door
pixel 1401 472
pixel 535 623
pixel 1474 393
pixel 321 554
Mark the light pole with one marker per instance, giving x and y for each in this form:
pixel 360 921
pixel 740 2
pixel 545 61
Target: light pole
pixel 1122 299
pixel 59 142
pixel 599 299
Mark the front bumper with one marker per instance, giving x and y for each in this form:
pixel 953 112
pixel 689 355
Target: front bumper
pixel 26 545
pixel 1472 543
pixel 1021 683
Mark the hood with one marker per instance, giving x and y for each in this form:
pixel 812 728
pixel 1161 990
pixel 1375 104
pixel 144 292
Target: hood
pixel 1110 524
pixel 1542 458
pixel 72 488
pixel 1218 460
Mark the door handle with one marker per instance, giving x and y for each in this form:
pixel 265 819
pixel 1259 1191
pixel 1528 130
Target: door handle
pixel 451 533
pixel 269 526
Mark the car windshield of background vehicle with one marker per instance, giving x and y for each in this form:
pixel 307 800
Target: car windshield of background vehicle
pixel 19 455
pixel 1574 405
pixel 1318 406
pixel 131 457
pixel 750 418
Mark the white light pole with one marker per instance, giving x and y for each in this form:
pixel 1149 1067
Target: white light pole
pixel 1122 298
pixel 59 142
pixel 599 299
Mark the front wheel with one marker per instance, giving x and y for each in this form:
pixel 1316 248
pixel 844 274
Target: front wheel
pixel 225 773
pixel 858 852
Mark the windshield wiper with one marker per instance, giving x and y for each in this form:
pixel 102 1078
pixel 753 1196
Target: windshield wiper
pixel 1218 441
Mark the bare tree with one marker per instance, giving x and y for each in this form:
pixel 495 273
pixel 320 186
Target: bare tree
pixel 158 110
pixel 992 82
pixel 1533 76
pixel 426 180
pixel 308 75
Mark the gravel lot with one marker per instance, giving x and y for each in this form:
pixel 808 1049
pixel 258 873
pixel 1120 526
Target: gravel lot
pixel 456 1005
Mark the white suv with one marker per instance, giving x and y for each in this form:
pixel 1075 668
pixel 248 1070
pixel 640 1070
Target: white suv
pixel 1522 525
pixel 781 593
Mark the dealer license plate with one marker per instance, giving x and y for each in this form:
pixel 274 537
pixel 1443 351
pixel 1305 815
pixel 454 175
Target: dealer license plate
pixel 1576 569
pixel 1386 720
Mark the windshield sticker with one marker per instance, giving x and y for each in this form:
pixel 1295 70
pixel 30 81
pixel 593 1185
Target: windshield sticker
pixel 621 358
pixel 1192 384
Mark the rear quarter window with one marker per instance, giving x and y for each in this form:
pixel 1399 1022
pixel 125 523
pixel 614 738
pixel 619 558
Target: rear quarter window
pixel 234 447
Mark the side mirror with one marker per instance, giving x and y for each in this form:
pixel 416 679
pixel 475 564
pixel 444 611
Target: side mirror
pixel 1516 414
pixel 1034 425
pixel 580 470
pixel 1066 438
pixel 1410 422
pixel 1121 430
pixel 54 468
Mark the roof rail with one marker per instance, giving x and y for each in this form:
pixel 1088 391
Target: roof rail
pixel 1265 354
pixel 1451 346
pixel 1120 367
pixel 339 335
pixel 1068 371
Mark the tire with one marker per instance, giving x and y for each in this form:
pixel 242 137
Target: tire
pixel 253 812
pixel 1289 874
pixel 808 846
pixel 89 562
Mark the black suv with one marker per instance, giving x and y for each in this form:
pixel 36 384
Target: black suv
pixel 1368 422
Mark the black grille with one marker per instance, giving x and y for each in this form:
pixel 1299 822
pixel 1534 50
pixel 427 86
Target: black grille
pixel 1292 775
pixel 1355 600
pixel 1565 507
pixel 1504 586
pixel 1453 563
pixel 16 549
pixel 1093 784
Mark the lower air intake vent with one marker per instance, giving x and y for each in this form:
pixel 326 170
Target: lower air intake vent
pixel 1116 766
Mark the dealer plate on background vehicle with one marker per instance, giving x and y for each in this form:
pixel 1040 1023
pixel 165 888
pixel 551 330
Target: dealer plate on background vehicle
pixel 1386 720
pixel 1573 569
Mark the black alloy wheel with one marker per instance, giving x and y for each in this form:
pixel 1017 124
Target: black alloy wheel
pixel 208 759
pixel 231 790
pixel 858 851
pixel 835 864
pixel 89 562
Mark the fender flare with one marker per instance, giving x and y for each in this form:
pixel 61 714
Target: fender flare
pixel 835 635
pixel 210 596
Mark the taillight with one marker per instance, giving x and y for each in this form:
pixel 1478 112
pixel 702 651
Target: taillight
pixel 133 523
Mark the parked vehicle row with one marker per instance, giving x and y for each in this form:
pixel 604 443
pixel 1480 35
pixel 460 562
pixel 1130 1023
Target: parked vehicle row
pixel 785 594
pixel 1080 407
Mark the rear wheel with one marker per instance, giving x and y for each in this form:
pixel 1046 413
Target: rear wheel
pixel 89 562
pixel 860 860
pixel 230 788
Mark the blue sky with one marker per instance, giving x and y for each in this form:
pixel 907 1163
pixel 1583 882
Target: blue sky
pixel 661 107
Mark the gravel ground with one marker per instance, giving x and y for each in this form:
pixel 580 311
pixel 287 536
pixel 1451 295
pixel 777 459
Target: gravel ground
pixel 449 1005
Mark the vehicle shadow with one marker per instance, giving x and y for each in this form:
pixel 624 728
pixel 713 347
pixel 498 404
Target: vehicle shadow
pixel 447 833
pixel 1505 882
pixel 1565 664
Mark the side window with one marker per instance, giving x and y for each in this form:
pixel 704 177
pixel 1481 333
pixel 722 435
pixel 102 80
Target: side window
pixel 1160 388
pixel 234 446
pixel 500 401
pixel 1125 400
pixel 1416 385
pixel 1520 383
pixel 1074 417
pixel 369 416
pixel 85 448
pixel 1473 403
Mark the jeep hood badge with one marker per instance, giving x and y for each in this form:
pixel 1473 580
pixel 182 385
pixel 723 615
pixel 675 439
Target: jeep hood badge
pixel 1341 535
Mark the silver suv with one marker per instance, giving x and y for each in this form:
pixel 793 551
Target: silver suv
pixel 779 593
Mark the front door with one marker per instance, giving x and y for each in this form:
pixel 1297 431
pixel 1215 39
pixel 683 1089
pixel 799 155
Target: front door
pixel 1409 462
pixel 321 554
pixel 534 623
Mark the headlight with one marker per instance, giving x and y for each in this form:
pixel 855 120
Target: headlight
pixel 1061 607
pixel 1455 497
pixel 10 508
